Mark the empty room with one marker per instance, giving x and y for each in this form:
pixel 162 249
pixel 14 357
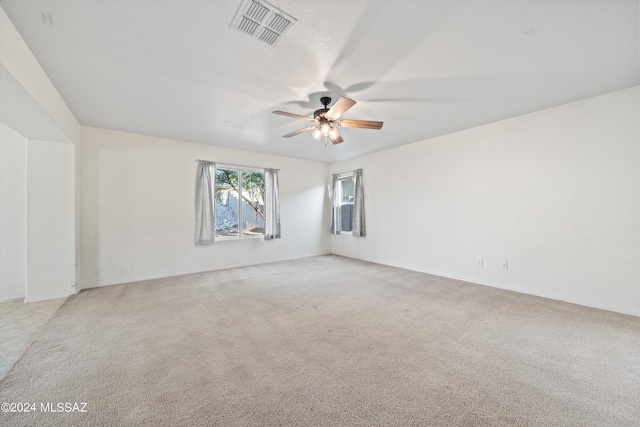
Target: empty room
pixel 320 213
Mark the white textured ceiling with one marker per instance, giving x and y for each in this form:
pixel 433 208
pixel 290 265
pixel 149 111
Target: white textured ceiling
pixel 176 69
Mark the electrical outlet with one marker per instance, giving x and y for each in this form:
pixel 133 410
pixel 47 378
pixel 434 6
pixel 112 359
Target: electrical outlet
pixel 479 262
pixel 178 255
pixel 505 265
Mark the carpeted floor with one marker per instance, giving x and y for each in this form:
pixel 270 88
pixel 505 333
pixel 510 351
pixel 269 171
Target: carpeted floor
pixel 326 341
pixel 20 323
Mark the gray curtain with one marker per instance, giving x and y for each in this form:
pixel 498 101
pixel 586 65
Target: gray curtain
pixel 272 205
pixel 205 211
pixel 336 220
pixel 359 225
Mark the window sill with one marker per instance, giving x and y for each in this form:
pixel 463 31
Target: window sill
pixel 233 239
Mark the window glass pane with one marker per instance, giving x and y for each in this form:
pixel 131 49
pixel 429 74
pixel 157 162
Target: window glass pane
pixel 252 203
pixel 346 187
pixel 239 203
pixel 346 204
pixel 226 203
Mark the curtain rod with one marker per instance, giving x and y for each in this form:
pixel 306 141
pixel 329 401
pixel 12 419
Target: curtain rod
pixel 239 166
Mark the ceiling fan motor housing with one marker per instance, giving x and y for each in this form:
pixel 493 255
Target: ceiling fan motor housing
pixel 320 113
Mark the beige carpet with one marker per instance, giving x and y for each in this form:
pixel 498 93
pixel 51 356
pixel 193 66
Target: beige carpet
pixel 20 324
pixel 327 341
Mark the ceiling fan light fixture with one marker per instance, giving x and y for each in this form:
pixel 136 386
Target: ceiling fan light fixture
pixel 317 134
pixel 325 128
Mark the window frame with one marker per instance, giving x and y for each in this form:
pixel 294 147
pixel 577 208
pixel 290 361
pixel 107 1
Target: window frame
pixel 240 169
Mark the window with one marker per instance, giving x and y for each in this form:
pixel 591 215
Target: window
pixel 345 184
pixel 347 200
pixel 239 199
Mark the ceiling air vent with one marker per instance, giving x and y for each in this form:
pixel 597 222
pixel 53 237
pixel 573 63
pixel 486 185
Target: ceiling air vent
pixel 261 20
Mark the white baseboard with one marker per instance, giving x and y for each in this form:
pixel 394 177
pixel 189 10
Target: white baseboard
pixel 11 299
pixel 47 296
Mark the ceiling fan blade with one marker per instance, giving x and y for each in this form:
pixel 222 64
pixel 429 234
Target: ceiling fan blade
pixel 295 116
pixel 362 124
pixel 337 139
pixel 339 108
pixel 307 129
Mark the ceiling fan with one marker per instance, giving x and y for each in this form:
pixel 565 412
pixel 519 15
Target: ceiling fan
pixel 328 119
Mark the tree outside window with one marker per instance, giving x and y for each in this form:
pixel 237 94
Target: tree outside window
pixel 239 197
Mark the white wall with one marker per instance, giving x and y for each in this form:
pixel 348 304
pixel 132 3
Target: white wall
pixel 37 218
pixel 13 214
pixel 149 183
pixel 50 220
pixel 555 193
pixel 39 223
